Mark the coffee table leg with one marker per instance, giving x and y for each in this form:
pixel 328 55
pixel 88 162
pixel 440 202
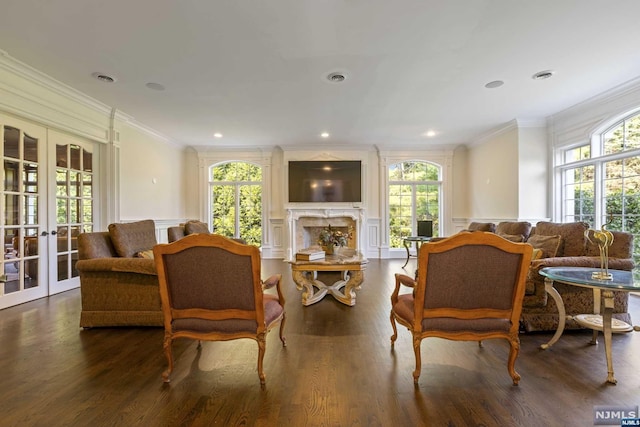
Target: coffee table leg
pixel 353 284
pixel 562 314
pixel 606 330
pixel 306 284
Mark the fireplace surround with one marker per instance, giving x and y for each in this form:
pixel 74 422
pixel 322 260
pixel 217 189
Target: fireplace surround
pixel 304 226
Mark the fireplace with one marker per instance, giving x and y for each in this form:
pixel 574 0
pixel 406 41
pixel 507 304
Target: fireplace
pixel 304 226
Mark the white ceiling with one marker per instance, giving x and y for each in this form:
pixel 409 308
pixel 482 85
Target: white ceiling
pixel 255 70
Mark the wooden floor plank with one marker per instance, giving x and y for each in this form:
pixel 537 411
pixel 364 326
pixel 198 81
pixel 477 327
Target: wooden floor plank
pixel 338 369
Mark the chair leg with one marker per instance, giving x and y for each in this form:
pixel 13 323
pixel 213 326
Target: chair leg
pixel 513 354
pixel 282 338
pixel 394 337
pixel 262 344
pixel 169 355
pixel 416 349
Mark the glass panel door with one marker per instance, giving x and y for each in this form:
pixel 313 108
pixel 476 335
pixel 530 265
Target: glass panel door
pixel 74 192
pixel 23 273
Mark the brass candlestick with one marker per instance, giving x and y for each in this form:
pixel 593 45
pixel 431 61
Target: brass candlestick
pixel 604 239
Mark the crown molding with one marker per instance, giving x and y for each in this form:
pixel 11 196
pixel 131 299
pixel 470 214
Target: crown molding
pixel 43 80
pixel 31 94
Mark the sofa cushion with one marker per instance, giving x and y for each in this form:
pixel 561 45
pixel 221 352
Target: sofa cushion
pixel 196 227
pixel 95 245
pixel 482 226
pixel 130 238
pixel 622 246
pixel 548 244
pixel 518 238
pixel 573 240
pixel 514 228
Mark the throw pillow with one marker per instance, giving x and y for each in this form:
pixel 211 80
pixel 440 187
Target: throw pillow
pixel 148 254
pixel 548 244
pixel 130 238
pixel 193 227
pixel 518 238
pixel 537 254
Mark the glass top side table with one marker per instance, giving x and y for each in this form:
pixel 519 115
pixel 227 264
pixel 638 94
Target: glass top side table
pixel 581 276
pixel 418 240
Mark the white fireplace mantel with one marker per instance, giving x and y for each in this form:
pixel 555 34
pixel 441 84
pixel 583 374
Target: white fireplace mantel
pixel 296 215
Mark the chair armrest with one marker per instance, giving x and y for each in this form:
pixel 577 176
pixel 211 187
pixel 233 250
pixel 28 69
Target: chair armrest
pixel 125 265
pixel 272 281
pixel 401 279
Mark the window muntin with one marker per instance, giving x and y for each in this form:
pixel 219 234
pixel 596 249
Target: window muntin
pixel 578 153
pixel 579 196
pixel 622 136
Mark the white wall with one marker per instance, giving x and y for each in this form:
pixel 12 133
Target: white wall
pixel 459 184
pixel 508 174
pixel 493 177
pixel 533 173
pixel 153 177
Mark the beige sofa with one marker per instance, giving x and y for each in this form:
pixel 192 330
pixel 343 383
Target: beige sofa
pixel 539 312
pixel 119 287
pixel 562 245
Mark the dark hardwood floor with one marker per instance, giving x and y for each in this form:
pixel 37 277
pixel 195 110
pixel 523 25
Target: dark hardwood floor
pixel 338 369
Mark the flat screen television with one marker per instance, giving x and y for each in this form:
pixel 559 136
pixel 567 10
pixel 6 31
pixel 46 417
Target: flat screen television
pixel 323 181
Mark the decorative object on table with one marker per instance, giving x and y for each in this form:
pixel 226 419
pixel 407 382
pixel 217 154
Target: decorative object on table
pixel 310 254
pixel 604 239
pixel 329 238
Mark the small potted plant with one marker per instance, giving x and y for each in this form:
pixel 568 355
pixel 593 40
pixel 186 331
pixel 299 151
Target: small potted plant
pixel 329 238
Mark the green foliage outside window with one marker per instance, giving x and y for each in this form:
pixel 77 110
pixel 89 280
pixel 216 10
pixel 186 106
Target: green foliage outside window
pixel 619 205
pixel 414 194
pixel 236 201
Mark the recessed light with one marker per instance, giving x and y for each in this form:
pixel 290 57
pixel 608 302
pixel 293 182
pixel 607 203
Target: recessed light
pixel 542 75
pixel 336 77
pixel 103 77
pixel 324 135
pixel 430 133
pixel 154 86
pixel 494 84
pixel 217 135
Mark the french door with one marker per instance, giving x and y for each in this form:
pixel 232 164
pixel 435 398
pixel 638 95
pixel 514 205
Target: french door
pixel 47 200
pixel 71 190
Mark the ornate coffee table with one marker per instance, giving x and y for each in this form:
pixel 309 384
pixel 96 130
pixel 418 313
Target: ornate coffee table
pixel 581 276
pixel 345 270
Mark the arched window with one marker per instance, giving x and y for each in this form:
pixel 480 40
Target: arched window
pixel 414 194
pixel 236 200
pixel 600 181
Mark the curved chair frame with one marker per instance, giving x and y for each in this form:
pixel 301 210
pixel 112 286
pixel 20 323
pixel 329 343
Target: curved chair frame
pixel 209 321
pixel 467 321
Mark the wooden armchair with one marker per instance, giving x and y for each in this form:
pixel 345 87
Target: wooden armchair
pixel 469 288
pixel 210 289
